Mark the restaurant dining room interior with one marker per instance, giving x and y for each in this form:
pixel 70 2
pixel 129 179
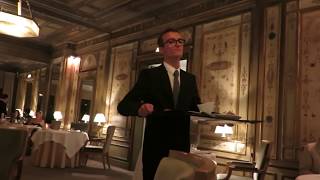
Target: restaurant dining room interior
pixel 256 63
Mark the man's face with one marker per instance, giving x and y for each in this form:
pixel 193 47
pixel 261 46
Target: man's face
pixel 172 45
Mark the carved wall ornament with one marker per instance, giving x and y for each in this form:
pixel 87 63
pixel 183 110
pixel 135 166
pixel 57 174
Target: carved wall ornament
pixel 221 65
pixel 244 81
pixel 88 62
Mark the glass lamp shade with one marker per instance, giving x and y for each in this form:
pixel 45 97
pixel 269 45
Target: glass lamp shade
pixel 86 118
pixel 99 118
pixel 32 114
pixel 223 130
pixel 57 115
pixel 74 59
pixel 18 26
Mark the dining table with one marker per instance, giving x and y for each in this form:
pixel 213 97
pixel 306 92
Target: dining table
pixel 57 148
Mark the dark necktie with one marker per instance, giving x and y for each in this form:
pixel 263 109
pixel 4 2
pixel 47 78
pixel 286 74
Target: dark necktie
pixel 176 87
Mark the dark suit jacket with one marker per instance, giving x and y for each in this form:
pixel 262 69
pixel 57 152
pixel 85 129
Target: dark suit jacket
pixel 164 129
pixel 153 86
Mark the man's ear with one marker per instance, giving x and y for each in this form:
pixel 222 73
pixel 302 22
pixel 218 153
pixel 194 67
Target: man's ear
pixel 161 50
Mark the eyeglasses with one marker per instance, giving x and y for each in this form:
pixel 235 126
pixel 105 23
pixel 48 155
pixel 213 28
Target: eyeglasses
pixel 173 42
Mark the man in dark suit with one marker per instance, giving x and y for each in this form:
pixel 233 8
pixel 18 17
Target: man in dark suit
pixel 163 95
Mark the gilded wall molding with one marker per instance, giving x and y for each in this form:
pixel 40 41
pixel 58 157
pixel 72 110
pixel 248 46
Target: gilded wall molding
pixel 289 114
pixel 272 33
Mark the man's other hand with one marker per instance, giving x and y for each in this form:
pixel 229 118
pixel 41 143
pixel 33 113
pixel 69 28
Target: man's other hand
pixel 145 110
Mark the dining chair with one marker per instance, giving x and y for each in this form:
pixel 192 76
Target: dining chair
pixel 309 158
pixel 202 168
pixel 174 169
pixel 257 168
pixel 80 126
pixel 95 131
pixel 102 148
pixel 55 125
pixel 12 150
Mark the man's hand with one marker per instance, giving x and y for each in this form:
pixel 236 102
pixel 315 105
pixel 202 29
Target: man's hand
pixel 145 110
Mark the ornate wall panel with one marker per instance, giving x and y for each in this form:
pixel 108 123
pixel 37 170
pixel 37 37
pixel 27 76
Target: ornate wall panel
pixel 220 68
pixel 271 75
pixel 309 76
pixel 121 79
pixel 101 84
pixel 225 58
pixel 122 57
pixel 289 115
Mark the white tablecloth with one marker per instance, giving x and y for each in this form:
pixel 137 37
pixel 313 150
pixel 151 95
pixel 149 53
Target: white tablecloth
pixel 71 140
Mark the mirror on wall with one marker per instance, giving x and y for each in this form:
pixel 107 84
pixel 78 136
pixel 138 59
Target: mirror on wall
pixel 42 93
pixel 51 93
pixel 27 101
pixel 85 100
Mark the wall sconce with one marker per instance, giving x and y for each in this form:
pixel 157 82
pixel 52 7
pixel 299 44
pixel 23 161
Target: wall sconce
pixel 29 77
pixel 223 130
pixel 85 118
pixel 74 59
pixel 57 115
pixel 99 118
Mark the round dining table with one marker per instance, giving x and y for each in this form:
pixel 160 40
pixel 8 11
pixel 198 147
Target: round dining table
pixel 308 177
pixel 57 148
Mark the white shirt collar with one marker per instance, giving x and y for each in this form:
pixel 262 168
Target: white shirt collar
pixel 170 68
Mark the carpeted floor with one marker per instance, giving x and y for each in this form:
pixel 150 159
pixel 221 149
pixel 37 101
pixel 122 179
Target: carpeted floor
pixel 93 171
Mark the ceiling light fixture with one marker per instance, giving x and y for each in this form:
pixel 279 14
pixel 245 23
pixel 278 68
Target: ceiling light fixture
pixel 18 25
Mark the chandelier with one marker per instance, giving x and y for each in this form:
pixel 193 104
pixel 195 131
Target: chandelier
pixel 18 25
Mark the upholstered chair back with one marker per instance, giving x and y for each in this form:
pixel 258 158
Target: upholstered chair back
pixel 262 159
pixel 12 149
pixel 110 132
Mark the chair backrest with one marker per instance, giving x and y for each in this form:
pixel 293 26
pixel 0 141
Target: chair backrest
pixel 263 153
pixel 309 158
pixel 174 169
pixel 12 149
pixel 94 130
pixel 55 125
pixel 110 131
pixel 205 168
pixel 80 126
